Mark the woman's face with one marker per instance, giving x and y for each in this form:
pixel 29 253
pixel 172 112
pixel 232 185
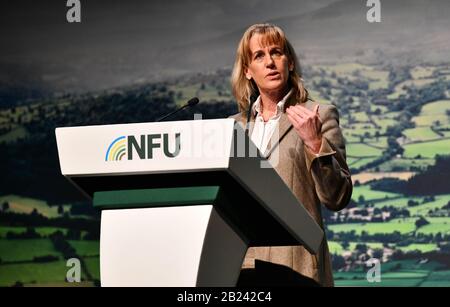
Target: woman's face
pixel 269 66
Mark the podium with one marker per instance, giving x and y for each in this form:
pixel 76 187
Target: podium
pixel 181 201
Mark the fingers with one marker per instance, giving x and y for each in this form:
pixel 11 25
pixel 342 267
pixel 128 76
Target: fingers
pixel 316 109
pixel 294 121
pixel 300 110
pixel 296 115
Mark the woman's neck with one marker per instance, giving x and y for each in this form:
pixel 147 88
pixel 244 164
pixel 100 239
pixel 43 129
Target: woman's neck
pixel 269 100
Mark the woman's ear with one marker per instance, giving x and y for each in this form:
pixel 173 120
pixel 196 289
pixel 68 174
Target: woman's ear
pixel 291 66
pixel 247 74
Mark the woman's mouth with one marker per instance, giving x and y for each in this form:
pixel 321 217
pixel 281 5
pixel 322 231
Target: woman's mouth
pixel 272 74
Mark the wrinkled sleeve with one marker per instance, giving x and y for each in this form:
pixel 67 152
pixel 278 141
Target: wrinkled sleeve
pixel 329 168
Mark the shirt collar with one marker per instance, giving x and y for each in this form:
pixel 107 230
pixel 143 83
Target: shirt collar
pixel 280 105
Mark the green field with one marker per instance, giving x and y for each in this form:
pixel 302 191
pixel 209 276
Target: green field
pixel 344 68
pixel 362 150
pixel 422 210
pixel 15 134
pixel 93 266
pixel 405 273
pixel 19 204
pixel 361 117
pixel 423 247
pixel 22 250
pixel 360 129
pixel 403 226
pixel 432 112
pixel 370 194
pixel 357 163
pixel 420 134
pixel 336 247
pixel 399 90
pixel 383 121
pixel 86 248
pixel 380 142
pixel 43 231
pixel 427 149
pixel 405 164
pixel 350 137
pixel 398 202
pixel 420 72
pixel 39 273
pixel 437 224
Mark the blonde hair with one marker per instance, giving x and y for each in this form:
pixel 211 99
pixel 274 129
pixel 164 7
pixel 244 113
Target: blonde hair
pixel 243 88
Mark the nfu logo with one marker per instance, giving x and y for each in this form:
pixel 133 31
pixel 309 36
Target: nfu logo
pixel 124 147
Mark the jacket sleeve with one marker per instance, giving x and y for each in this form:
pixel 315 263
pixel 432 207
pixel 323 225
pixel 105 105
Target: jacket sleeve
pixel 329 168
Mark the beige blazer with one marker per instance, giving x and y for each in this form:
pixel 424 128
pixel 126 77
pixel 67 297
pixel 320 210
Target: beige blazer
pixel 315 180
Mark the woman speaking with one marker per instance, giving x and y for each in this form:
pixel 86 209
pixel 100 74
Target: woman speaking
pixel 310 150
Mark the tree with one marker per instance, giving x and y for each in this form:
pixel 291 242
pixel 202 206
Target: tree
pixel 337 261
pixel 5 206
pixel 361 248
pixel 421 222
pixel 361 199
pixel 60 210
pixel 377 253
pixel 345 245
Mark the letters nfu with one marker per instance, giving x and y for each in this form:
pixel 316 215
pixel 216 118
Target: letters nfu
pixel 146 144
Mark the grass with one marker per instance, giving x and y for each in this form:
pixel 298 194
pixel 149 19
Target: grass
pixel 428 120
pixel 405 164
pixel 423 247
pixel 315 95
pixel 422 210
pixel 409 83
pixel 15 134
pixel 344 68
pixel 361 162
pixel 435 108
pixel 350 137
pixel 362 150
pixel 384 122
pixel 20 204
pixel 336 247
pixel 93 266
pixel 427 149
pixel 380 142
pixel 403 226
pixel 43 231
pixel 437 224
pixel 404 273
pixel 35 273
pixel 432 112
pixel 369 194
pixel 398 203
pixel 22 250
pixel 86 248
pixel 420 134
pixel 421 72
pixel 397 282
pixel 361 117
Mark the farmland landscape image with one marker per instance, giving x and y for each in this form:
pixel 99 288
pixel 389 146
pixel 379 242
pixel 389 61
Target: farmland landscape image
pixel 394 107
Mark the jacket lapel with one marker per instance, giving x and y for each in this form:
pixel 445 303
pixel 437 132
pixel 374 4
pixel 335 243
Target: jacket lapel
pixel 284 125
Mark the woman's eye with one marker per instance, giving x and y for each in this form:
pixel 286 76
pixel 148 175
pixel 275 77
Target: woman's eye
pixel 276 53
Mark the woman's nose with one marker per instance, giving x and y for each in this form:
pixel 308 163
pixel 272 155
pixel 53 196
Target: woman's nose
pixel 269 60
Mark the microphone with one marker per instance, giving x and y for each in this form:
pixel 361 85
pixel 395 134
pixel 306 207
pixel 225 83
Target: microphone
pixel 249 112
pixel 192 102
